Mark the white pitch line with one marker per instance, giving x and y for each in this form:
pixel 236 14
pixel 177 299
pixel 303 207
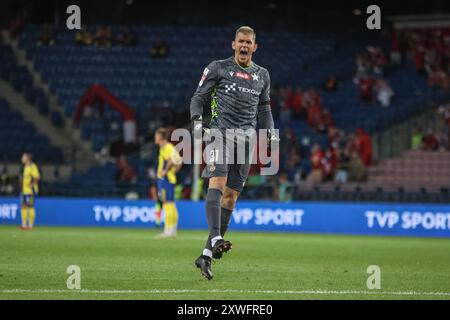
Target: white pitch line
pixel 281 292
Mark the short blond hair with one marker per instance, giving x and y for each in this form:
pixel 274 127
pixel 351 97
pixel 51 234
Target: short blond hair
pixel 246 30
pixel 164 133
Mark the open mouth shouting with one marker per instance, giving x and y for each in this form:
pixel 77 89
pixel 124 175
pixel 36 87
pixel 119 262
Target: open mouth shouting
pixel 243 53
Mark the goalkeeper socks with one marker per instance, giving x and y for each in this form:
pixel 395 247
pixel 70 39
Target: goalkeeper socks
pixel 32 217
pixel 24 215
pixel 213 213
pixel 225 216
pixel 214 240
pixel 208 246
pixel 207 252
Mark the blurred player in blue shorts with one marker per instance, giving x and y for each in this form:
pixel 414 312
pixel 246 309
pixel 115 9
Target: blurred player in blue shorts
pixel 30 188
pixel 169 162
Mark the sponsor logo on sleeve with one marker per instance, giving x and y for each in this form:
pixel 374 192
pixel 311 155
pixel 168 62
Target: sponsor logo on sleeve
pixel 205 73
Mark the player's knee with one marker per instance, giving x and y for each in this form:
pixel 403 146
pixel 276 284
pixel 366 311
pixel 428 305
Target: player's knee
pixel 218 183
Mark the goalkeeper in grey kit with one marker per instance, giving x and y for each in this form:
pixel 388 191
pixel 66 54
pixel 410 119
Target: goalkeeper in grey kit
pixel 239 93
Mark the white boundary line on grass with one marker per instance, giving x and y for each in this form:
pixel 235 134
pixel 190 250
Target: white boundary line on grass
pixel 281 292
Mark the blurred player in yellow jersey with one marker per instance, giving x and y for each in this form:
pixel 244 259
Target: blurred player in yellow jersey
pixel 169 162
pixel 30 189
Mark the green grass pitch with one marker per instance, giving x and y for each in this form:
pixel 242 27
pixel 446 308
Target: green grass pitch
pixel 132 264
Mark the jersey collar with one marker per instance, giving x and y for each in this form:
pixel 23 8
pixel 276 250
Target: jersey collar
pixel 243 68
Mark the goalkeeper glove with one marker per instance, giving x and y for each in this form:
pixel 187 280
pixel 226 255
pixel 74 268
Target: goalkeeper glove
pixel 272 137
pixel 198 127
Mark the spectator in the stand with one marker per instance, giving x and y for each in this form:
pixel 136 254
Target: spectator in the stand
pixel 83 37
pixel 351 145
pixel 314 96
pixel 438 78
pixel 430 141
pixel 312 102
pixel 286 111
pixel 419 60
pixel 384 92
pixel 296 103
pixel 366 88
pixel 357 169
pixel 378 60
pixel 289 140
pixel 126 37
pixel 331 83
pixel 432 61
pixel 103 37
pixel 342 169
pixel 369 64
pixel 416 139
pixel 317 156
pixel 313 114
pixel 284 190
pixel 160 49
pixel 46 37
pixel 292 163
pixel 125 172
pixel 325 121
pixel 329 163
pixel 335 136
pixel 364 146
pixel 362 66
pixel 292 104
pixel 444 111
pixel 443 141
pixel 6 186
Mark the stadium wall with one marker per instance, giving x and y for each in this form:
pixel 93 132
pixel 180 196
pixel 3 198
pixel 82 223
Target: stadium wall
pixel 311 217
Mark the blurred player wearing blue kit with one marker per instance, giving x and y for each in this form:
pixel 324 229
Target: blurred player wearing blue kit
pixel 30 188
pixel 169 162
